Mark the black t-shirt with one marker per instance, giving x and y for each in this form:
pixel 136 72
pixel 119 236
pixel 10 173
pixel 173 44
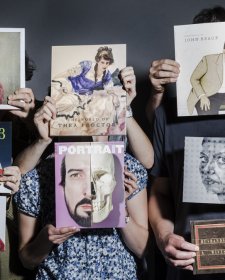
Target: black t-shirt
pixel 168 141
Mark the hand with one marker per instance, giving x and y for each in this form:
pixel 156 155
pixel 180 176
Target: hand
pixel 11 178
pixel 43 116
pixel 204 103
pixel 129 183
pixel 178 252
pixel 22 98
pixel 129 83
pixel 59 235
pixel 162 72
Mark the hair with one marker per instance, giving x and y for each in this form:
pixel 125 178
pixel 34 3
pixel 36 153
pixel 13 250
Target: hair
pixel 105 53
pixel 213 140
pixel 63 172
pixel 216 14
pixel 29 67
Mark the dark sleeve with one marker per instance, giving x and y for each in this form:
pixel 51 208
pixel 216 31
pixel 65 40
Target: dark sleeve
pixel 159 168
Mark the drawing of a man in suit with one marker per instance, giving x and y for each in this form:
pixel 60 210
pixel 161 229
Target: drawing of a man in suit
pixel 208 85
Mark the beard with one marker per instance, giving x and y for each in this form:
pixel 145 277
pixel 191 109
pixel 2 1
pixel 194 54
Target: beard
pixel 82 221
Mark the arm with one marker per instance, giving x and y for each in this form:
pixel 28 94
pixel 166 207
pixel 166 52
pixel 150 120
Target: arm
pixel 74 71
pixel 135 233
pixel 198 73
pixel 35 246
pixel 176 250
pixel 29 158
pixel 139 143
pixel 162 72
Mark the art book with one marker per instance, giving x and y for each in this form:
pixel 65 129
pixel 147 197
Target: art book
pixel 12 63
pixel 209 235
pixel 204 170
pixel 5 151
pixel 86 87
pixel 200 51
pixel 89 184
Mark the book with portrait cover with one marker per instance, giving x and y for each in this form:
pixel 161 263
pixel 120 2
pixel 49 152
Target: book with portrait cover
pixel 12 63
pixel 5 151
pixel 209 235
pixel 199 49
pixel 86 87
pixel 89 184
pixel 204 170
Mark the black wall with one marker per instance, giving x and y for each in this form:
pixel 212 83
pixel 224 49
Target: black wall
pixel 146 26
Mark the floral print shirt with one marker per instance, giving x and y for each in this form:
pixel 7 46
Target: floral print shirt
pixel 90 254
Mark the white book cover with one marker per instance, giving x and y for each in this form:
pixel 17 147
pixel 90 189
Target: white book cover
pixel 85 84
pixel 204 170
pixel 12 63
pixel 2 222
pixel 199 49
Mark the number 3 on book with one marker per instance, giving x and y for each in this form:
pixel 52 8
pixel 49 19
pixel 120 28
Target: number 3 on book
pixel 2 133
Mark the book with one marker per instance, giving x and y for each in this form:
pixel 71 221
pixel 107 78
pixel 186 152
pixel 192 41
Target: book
pixel 89 184
pixel 199 49
pixel 86 87
pixel 12 63
pixel 5 151
pixel 209 235
pixel 2 222
pixel 204 166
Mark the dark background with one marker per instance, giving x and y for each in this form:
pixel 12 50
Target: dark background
pixel 146 26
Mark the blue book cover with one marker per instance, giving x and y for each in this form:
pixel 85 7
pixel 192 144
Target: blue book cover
pixel 5 150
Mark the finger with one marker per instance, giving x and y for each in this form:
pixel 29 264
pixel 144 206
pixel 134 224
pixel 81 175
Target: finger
pixel 160 74
pixel 12 186
pixel 49 99
pixel 182 263
pixel 23 94
pixel 18 103
pixel 189 267
pixel 130 175
pixel 176 254
pixel 11 170
pixel 128 71
pixel 9 178
pixel 58 231
pixel 178 242
pixel 61 239
pixel 166 61
pixel 129 188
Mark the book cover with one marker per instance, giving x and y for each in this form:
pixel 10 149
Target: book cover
pixel 12 63
pixel 2 222
pixel 89 184
pixel 86 87
pixel 209 235
pixel 5 150
pixel 199 49
pixel 204 170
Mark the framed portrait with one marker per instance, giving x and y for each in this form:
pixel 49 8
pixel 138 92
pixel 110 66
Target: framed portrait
pixel 12 63
pixel 200 50
pixel 204 170
pixel 87 90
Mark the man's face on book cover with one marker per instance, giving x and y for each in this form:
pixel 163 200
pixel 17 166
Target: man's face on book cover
pixel 88 186
pixel 212 166
pixel 78 188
